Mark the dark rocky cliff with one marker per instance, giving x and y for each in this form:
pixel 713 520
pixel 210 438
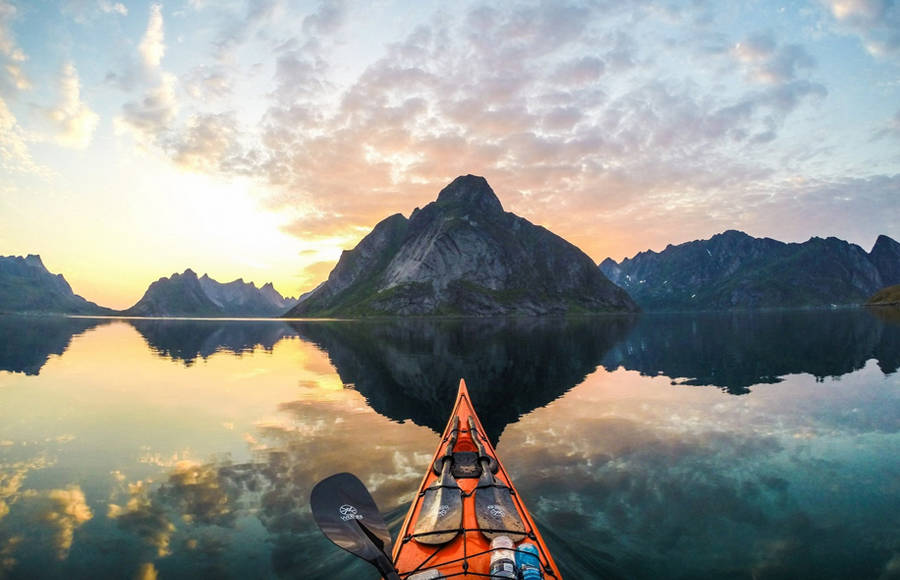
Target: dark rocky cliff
pixel 463 255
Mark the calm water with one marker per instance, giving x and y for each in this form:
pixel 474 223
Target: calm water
pixel 702 446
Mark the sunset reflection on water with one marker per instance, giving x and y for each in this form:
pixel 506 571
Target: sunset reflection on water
pixel 189 448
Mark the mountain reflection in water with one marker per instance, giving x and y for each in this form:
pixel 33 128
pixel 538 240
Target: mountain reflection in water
pixel 184 449
pixel 523 363
pixel 409 369
pixel 735 351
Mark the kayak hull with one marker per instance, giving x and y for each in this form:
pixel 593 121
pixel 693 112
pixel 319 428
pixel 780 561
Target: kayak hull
pixel 468 553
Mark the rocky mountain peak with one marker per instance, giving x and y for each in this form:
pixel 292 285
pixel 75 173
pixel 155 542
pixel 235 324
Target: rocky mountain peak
pixel 470 191
pixel 463 255
pixel 732 235
pixel 34 260
pixel 882 243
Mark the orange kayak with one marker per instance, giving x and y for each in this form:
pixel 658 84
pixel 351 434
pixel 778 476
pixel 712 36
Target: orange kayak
pixel 465 501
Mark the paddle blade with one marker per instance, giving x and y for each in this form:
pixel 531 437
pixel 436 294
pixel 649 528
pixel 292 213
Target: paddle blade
pixel 348 516
pixel 494 506
pixel 496 512
pixel 440 517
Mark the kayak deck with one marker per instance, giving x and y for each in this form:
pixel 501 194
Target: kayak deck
pixel 468 553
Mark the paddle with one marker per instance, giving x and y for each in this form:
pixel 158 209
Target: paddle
pixel 440 517
pixel 494 506
pixel 348 516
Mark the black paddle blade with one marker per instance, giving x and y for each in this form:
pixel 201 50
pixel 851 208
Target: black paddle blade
pixel 348 516
pixel 440 517
pixel 495 509
pixel 494 506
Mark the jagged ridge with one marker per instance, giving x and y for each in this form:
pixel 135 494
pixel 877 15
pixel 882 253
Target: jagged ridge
pixel 187 295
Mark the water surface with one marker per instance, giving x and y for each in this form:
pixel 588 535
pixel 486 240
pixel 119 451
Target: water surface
pixel 680 446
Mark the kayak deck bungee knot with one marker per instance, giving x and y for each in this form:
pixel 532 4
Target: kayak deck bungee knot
pixel 459 544
pixel 465 521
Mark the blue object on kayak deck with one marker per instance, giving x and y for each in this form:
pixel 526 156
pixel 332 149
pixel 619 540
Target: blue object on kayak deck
pixel 527 562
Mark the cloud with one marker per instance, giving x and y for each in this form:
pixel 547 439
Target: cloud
pixel 13 78
pixel 581 71
pixel 257 17
pixel 315 273
pixel 8 45
pixel 84 11
pixel 498 93
pixel 12 477
pixel 150 117
pixel 74 120
pixel 207 142
pixel 147 571
pixel 573 121
pixel 108 7
pixel 152 47
pixel 61 511
pixel 327 19
pixel 199 494
pixel 891 129
pixel 207 83
pixel 876 22
pixel 14 153
pixel 144 518
pixel 769 63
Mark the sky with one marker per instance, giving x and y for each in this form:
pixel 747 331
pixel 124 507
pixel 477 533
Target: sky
pixel 258 139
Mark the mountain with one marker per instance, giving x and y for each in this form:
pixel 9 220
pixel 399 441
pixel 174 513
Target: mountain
pixel 187 295
pixel 463 255
pixel 735 270
pixel 27 286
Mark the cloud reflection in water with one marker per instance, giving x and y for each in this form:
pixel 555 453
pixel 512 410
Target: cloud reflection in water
pixel 204 469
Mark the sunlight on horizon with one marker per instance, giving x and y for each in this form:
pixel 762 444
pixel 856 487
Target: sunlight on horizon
pixel 258 140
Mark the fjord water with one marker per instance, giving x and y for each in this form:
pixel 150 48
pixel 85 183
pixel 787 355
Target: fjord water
pixel 681 446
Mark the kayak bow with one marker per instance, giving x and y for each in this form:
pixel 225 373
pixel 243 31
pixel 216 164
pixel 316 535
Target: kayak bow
pixel 484 486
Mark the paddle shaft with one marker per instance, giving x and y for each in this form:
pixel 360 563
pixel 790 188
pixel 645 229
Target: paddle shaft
pixel 386 567
pixel 476 438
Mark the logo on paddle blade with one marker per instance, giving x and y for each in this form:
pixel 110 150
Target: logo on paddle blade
pixel 443 511
pixel 496 511
pixel 348 512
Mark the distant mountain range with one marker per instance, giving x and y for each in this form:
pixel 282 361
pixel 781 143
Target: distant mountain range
pixel 463 255
pixel 735 270
pixel 27 286
pixel 187 295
